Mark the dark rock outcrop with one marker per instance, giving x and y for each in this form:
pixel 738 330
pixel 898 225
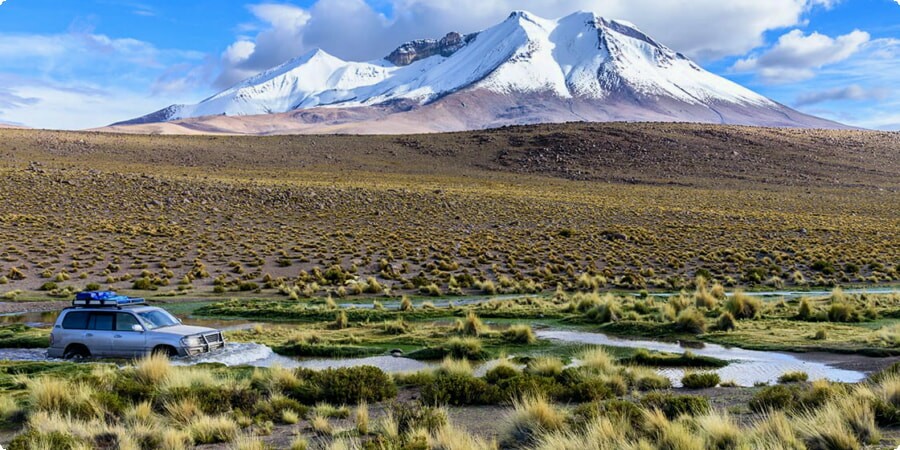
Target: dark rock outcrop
pixel 413 51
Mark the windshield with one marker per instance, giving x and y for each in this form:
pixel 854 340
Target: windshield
pixel 157 319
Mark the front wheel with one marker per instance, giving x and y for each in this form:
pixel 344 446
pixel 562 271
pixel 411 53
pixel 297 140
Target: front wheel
pixel 164 350
pixel 76 352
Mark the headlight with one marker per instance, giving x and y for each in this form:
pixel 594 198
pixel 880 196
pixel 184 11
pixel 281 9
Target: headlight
pixel 191 341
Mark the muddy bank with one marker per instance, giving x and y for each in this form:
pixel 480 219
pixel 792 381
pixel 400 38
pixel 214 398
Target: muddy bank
pixel 848 361
pixel 27 307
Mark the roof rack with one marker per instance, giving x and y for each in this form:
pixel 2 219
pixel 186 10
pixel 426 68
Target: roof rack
pixel 105 298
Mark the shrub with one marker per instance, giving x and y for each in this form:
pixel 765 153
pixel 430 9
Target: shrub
pixel 700 380
pixel 778 397
pixel 742 306
pixel 502 371
pixel 144 284
pixel 676 405
pixel 348 385
pixel 690 321
pixel 793 377
pixel 406 304
pixel 48 286
pixel 458 390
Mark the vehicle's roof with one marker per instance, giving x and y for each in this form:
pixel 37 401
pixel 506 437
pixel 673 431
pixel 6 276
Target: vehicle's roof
pixel 141 308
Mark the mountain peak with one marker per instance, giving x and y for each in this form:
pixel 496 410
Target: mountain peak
pixel 526 69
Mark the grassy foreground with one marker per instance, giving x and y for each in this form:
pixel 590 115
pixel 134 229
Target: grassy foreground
pixel 599 404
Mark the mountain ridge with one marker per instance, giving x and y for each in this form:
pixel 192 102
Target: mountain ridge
pixel 581 67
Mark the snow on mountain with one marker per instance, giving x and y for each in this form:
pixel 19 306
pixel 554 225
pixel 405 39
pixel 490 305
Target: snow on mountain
pixel 595 68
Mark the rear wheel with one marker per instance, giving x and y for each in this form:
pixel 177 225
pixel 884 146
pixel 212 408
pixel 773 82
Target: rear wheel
pixel 76 351
pixel 165 350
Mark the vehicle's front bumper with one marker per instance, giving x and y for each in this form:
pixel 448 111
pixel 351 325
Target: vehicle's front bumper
pixel 210 343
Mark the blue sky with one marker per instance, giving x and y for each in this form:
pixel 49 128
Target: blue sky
pixel 80 64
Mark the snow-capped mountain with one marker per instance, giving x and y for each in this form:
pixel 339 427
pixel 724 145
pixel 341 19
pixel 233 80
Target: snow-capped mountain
pixel 525 70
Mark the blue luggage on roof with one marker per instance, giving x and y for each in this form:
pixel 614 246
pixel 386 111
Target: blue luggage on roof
pixel 94 295
pixel 104 298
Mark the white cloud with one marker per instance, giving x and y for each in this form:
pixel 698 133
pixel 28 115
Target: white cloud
pixel 2 1
pixel 853 92
pixel 795 56
pixel 83 79
pixel 352 29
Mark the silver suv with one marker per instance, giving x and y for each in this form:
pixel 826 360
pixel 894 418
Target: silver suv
pixel 107 325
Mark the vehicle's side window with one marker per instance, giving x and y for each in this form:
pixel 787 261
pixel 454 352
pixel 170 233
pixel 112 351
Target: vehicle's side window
pixel 101 321
pixel 125 321
pixel 75 321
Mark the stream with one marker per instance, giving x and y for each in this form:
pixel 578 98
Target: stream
pixel 746 368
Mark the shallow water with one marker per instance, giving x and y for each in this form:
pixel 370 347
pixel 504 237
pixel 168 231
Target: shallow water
pixel 747 366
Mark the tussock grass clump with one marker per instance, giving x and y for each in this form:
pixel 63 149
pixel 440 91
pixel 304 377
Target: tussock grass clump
pixel 720 431
pixel 361 417
pixel 449 437
pixel 674 406
pixel 520 334
pixel 212 430
pixel 805 309
pixel 793 377
pixel 700 380
pixel 321 425
pixel 597 359
pixel 726 322
pixel 471 325
pixel 545 366
pixel 532 416
pixel 465 348
pixel 646 379
pixel 743 306
pixel 691 320
pixel 457 367
pixel 57 396
pixel 153 369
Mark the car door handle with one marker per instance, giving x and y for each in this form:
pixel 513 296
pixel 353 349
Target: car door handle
pixel 89 334
pixel 118 336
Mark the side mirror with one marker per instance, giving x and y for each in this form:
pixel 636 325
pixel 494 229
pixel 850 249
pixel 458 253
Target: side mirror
pixel 137 328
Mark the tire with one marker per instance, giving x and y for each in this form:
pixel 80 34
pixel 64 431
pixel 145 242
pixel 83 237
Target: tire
pixel 165 350
pixel 76 351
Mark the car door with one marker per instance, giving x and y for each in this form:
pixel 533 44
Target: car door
pixel 99 334
pixel 126 342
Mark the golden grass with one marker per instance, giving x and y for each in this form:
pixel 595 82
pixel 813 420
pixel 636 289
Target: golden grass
pixel 453 366
pixel 546 366
pixel 210 430
pixel 153 369
pixel 321 425
pixel 361 416
pixel 597 359
pixel 449 437
pixel 532 416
